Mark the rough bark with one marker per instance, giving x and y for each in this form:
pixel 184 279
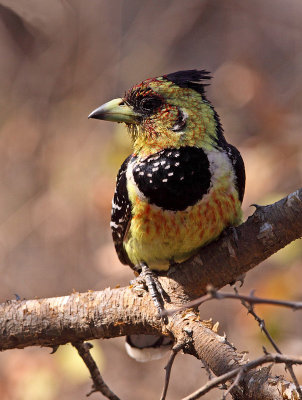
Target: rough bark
pixel 118 312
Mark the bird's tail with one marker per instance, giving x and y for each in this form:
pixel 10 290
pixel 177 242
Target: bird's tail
pixel 145 348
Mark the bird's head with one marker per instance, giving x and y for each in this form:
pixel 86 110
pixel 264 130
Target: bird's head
pixel 169 111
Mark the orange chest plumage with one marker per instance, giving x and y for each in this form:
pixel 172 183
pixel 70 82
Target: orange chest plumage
pixel 159 236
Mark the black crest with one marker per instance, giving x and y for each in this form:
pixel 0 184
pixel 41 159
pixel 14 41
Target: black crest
pixel 191 78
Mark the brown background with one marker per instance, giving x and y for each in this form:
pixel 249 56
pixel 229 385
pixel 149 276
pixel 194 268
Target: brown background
pixel 61 59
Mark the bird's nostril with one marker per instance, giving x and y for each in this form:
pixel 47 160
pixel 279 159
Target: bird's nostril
pixel 122 103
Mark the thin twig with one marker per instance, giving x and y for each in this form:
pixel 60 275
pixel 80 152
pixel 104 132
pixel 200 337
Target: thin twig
pixel 263 328
pixel 98 384
pixel 168 368
pixel 267 358
pixel 251 299
pixel 294 378
pixel 235 383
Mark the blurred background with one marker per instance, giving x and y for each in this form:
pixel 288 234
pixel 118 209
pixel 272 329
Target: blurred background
pixel 59 60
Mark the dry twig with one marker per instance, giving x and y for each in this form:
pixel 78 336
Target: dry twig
pixel 267 358
pixel 98 383
pixel 234 384
pixel 168 368
pixel 250 299
pixel 250 307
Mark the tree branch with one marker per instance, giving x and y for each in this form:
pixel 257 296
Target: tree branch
pixel 268 358
pixel 98 383
pixel 251 300
pixel 118 312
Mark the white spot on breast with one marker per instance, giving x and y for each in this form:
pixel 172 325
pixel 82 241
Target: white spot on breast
pixel 182 178
pixel 168 167
pixel 113 225
pixel 149 175
pixel 176 164
pixel 150 181
pixel 164 180
pixel 163 162
pixel 141 173
pixel 176 155
pixel 155 169
pixel 156 164
pixel 170 174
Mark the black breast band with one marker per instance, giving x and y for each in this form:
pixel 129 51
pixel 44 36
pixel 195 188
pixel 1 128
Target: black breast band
pixel 174 179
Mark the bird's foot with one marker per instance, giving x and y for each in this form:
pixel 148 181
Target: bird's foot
pixel 150 280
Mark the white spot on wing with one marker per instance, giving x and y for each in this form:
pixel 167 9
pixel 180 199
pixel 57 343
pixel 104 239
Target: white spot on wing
pixel 221 168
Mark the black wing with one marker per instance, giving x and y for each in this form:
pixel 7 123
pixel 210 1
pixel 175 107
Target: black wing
pixel 121 213
pixel 239 169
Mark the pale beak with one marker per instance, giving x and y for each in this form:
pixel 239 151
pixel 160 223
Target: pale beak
pixel 117 111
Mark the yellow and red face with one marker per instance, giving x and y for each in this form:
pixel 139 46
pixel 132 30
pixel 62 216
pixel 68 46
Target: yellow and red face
pixel 165 112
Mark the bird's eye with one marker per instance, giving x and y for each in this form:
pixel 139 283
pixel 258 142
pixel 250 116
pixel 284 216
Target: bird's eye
pixel 150 104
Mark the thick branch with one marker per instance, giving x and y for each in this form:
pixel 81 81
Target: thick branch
pixel 118 312
pixel 78 317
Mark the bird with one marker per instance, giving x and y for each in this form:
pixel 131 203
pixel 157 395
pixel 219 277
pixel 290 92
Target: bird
pixel 182 185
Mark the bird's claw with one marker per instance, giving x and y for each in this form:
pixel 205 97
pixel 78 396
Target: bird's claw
pixel 150 280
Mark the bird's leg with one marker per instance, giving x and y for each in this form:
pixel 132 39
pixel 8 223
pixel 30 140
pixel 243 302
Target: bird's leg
pixel 150 280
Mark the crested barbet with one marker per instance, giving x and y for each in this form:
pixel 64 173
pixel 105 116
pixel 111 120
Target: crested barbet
pixel 183 184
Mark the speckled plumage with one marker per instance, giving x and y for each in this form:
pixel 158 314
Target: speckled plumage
pixel 182 185
pixel 176 121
